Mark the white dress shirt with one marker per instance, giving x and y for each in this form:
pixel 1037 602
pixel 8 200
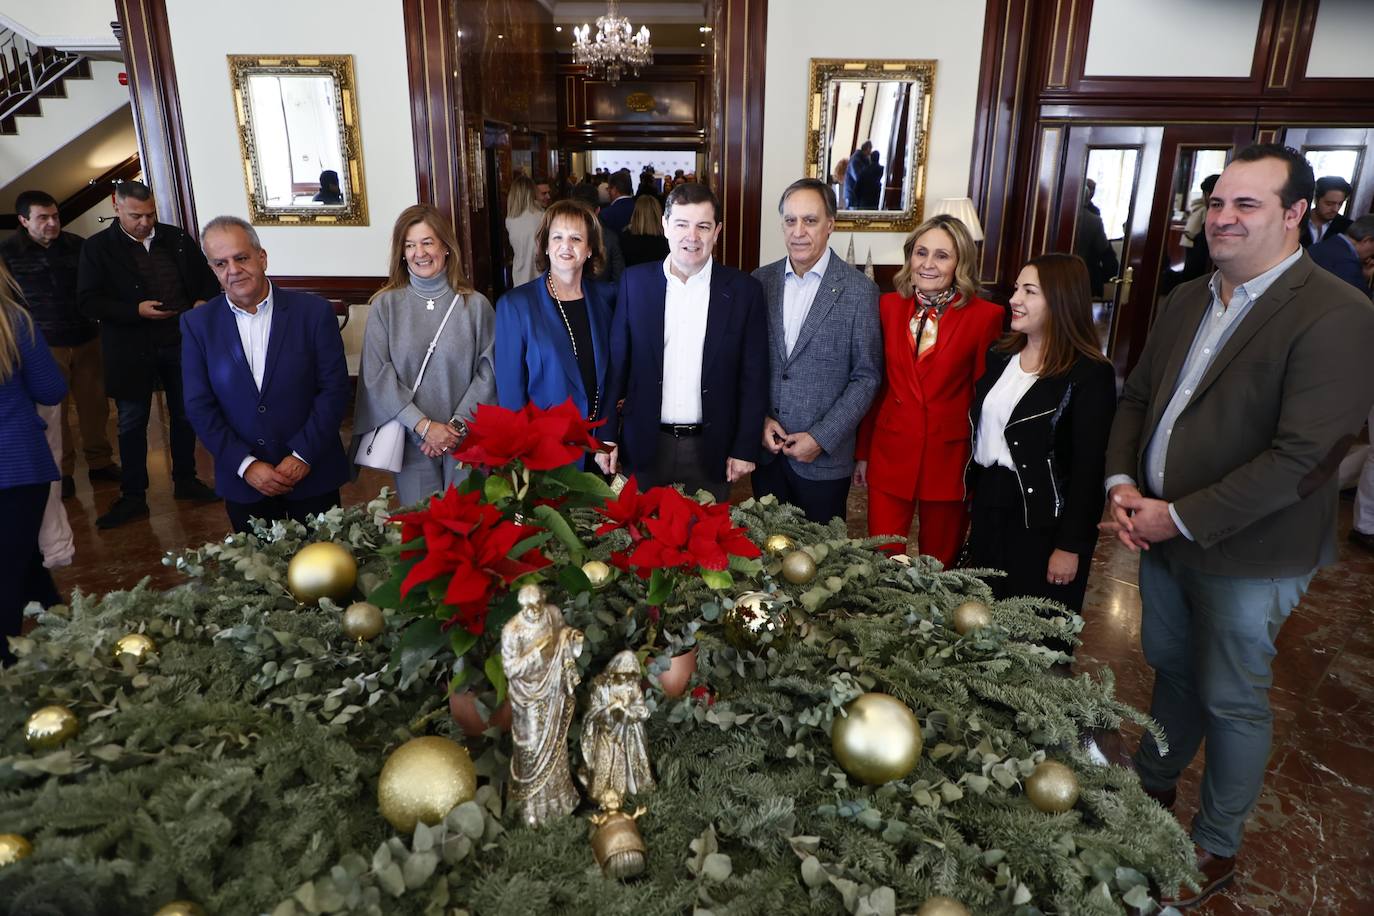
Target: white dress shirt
pixel 685 307
pixel 146 243
pixel 797 295
pixel 990 446
pixel 254 330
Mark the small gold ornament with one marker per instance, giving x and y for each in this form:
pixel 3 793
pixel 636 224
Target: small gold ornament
pixel 970 616
pixel 1052 787
pixel 51 727
pixel 13 847
pixel 618 483
pixel 137 646
pixel 617 845
pixel 597 573
pixel 754 614
pixel 180 908
pixel 877 740
pixel 779 544
pixel 942 906
pixel 798 567
pixel 363 620
pixel 321 570
pixel 423 780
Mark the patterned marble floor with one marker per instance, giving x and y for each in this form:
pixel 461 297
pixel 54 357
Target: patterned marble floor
pixel 1310 843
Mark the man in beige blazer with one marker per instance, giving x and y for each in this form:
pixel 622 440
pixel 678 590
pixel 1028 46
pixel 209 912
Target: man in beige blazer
pixel 1222 469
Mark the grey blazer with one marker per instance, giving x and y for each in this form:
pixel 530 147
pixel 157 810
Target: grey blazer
pixel 1252 459
pixel 827 384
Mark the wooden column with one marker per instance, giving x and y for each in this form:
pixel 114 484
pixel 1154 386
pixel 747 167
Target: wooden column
pixel 735 161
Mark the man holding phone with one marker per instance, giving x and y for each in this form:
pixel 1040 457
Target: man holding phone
pixel 136 277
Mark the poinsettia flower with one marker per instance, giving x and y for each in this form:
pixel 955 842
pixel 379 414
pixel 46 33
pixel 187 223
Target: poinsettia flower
pixel 629 509
pixel 539 439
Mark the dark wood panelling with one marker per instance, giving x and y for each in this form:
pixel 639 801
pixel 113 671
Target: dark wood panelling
pixel 346 290
pixel 99 188
pixel 594 114
pixel 736 151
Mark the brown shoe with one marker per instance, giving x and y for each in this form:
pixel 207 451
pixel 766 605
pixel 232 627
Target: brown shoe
pixel 1217 873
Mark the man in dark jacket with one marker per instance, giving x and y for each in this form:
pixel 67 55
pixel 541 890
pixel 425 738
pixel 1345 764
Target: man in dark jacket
pixel 43 260
pixel 136 277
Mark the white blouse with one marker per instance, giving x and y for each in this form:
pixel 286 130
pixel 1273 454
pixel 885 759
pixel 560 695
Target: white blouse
pixel 990 442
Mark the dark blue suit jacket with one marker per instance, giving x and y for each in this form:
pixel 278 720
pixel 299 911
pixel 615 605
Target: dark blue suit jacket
pixel 734 368
pixel 1336 254
pixel 534 358
pixel 616 214
pixel 304 394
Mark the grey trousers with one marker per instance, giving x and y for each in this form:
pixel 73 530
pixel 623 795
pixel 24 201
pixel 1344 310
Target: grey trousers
pixel 680 461
pixel 1210 640
pixel 421 477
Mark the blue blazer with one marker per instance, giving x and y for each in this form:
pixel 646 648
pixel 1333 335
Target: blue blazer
pixel 304 394
pixel 1336 254
pixel 734 368
pixel 25 458
pixel 534 358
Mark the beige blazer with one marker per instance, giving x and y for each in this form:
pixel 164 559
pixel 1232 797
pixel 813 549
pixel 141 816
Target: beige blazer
pixel 1252 459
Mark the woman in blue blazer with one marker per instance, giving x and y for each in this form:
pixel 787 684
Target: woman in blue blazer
pixel 28 375
pixel 553 333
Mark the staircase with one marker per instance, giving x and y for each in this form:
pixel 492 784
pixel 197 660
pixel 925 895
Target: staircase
pixel 29 74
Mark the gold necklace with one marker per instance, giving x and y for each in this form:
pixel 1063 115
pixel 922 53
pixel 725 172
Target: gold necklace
pixel 596 395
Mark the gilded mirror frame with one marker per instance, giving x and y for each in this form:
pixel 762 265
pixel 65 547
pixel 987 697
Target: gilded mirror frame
pixel 823 72
pixel 339 68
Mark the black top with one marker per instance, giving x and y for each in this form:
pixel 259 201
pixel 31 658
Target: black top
pixel 47 278
pixel 575 310
pixel 641 249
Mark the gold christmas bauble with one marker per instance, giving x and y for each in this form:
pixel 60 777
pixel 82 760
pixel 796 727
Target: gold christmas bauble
pixel 423 780
pixel 13 847
pixel 1052 787
pixel 180 908
pixel 877 740
pixel 363 620
pixel 135 645
pixel 597 573
pixel 754 614
pixel 970 616
pixel 779 544
pixel 321 570
pixel 798 567
pixel 50 727
pixel 942 906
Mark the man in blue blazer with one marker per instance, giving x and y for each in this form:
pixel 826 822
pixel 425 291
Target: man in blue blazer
pixel 1345 252
pixel 266 385
pixel 688 384
pixel 826 359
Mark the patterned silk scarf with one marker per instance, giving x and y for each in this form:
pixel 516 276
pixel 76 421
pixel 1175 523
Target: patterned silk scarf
pixel 924 326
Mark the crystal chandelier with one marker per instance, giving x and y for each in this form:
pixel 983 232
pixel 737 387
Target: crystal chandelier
pixel 616 48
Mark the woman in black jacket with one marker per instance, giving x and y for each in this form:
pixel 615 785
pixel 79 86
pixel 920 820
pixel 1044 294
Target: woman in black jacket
pixel 1041 414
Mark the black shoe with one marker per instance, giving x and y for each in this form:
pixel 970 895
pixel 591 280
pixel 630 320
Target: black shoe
pixel 68 486
pixel 1360 539
pixel 125 509
pixel 193 489
pixel 110 472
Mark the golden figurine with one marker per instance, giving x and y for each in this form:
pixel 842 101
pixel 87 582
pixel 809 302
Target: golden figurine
pixel 614 745
pixel 539 653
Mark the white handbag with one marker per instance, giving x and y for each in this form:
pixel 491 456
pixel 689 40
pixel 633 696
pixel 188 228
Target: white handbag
pixel 384 447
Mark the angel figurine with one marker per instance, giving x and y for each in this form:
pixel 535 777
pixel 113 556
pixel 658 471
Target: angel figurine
pixel 613 741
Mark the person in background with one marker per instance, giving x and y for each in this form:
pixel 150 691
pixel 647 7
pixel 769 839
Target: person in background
pixel 615 215
pixel 615 257
pixel 643 240
pixel 1325 218
pixel 426 279
pixel 914 444
pixel 870 185
pixel 28 376
pixel 330 193
pixel 1345 252
pixel 1090 242
pixel 523 216
pixel 1197 258
pixel 543 196
pixel 858 161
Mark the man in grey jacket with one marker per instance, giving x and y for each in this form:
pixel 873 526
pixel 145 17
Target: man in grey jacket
pixel 825 359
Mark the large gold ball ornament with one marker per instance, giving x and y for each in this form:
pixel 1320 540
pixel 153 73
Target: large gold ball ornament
pixel 423 780
pixel 50 727
pixel 779 544
pixel 798 567
pixel 180 908
pixel 362 620
pixel 942 906
pixel 756 614
pixel 137 646
pixel 13 847
pixel 970 616
pixel 1052 787
pixel 597 573
pixel 877 740
pixel 321 570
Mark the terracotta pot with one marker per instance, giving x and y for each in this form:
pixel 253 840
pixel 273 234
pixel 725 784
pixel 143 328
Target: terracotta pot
pixel 674 680
pixel 463 707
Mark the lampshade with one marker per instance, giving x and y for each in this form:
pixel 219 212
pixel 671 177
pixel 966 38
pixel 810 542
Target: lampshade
pixel 962 208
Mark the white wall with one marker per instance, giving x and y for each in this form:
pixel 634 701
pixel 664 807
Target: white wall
pixel 1343 40
pixel 67 24
pixel 63 120
pixel 950 33
pixel 372 31
pixel 1173 37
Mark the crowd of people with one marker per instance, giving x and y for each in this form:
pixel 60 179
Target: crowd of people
pixel 998 428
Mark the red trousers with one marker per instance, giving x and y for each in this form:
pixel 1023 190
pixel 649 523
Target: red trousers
pixel 943 524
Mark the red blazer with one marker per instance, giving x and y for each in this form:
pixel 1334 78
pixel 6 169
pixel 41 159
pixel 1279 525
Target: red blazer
pixel 916 437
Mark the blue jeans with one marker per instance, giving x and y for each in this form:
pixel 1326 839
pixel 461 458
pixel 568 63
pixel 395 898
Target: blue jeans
pixel 133 428
pixel 1210 640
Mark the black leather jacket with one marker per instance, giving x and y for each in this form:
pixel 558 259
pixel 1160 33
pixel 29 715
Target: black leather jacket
pixel 47 278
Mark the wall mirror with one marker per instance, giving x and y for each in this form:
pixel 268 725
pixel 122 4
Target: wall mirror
pixel 298 133
pixel 868 126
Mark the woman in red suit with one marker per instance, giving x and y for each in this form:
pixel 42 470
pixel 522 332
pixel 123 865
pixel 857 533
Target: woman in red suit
pixel 914 444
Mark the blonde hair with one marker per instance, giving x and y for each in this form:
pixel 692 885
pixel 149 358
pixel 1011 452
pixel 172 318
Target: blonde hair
pixel 13 316
pixel 521 198
pixel 399 277
pixel 647 218
pixel 965 280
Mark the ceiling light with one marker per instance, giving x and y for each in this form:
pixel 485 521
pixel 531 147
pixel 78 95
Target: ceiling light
pixel 616 47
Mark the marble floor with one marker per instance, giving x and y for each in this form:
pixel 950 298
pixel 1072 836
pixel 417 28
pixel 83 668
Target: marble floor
pixel 1309 846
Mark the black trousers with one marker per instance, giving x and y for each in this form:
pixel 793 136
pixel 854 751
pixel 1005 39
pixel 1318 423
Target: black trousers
pixel 22 576
pixel 134 414
pixel 680 460
pixel 821 500
pixel 275 508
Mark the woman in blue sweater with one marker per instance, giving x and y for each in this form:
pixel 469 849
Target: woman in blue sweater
pixel 28 375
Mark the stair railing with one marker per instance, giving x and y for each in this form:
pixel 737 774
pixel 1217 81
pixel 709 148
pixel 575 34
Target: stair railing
pixel 27 69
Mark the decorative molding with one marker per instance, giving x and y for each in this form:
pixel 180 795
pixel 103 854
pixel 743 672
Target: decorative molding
pixel 83 199
pixel 735 161
pixel 346 290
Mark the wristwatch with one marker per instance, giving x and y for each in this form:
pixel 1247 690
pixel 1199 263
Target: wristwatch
pixel 460 425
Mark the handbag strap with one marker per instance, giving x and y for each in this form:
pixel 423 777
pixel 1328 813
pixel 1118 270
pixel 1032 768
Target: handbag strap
pixel 433 344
